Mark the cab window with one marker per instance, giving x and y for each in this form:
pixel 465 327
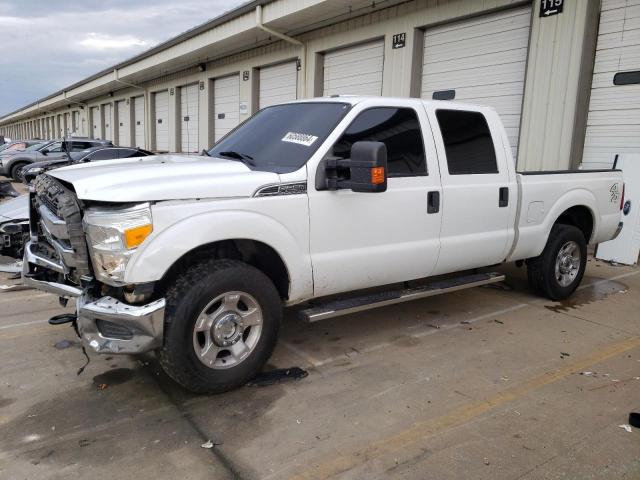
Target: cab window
pixel 467 142
pixel 399 129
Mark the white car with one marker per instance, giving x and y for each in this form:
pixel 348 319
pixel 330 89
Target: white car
pixel 195 257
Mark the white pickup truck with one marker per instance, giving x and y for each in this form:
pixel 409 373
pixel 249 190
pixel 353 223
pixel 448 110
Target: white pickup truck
pixel 333 204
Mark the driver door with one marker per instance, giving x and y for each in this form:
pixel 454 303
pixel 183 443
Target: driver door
pixel 362 240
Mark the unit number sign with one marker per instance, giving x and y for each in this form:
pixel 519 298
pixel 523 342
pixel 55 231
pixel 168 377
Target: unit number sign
pixel 550 7
pixel 399 40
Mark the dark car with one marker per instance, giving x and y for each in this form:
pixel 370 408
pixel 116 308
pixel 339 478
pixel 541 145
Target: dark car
pixel 12 166
pixel 88 155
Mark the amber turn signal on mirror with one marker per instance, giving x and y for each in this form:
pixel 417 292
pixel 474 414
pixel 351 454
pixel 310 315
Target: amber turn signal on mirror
pixel 377 175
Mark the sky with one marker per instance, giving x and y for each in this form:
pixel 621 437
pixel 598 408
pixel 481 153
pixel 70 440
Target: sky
pixel 46 45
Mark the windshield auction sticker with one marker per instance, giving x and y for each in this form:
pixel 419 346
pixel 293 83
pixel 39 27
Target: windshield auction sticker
pixel 300 138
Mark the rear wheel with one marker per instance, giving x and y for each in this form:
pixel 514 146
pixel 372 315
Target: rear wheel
pixel 558 271
pixel 16 171
pixel 221 325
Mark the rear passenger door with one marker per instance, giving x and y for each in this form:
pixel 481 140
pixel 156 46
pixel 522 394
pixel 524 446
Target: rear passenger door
pixel 478 193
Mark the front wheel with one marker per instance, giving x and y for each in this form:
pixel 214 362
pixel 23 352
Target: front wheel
pixel 558 271
pixel 17 171
pixel 221 325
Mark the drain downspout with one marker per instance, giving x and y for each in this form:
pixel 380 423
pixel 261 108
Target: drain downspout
pixel 288 39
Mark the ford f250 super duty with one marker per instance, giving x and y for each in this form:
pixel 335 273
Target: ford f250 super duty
pixel 333 204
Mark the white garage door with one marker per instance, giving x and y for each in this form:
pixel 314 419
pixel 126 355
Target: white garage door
pixel 484 60
pixel 75 124
pixel 161 117
pixel 278 84
pixel 108 122
pixel 226 108
pixel 138 122
pixel 59 127
pixel 122 110
pixel 613 124
pixel 67 124
pixel 96 124
pixel 354 70
pixel 189 118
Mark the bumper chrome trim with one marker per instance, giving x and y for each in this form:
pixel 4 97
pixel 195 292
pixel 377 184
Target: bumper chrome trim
pixel 60 289
pixel 30 257
pixel 146 322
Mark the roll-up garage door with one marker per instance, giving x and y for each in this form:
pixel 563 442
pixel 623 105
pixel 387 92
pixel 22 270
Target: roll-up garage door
pixel 96 124
pixel 354 70
pixel 189 118
pixel 161 117
pixel 67 124
pixel 122 110
pixel 59 126
pixel 75 123
pixel 278 84
pixel 226 108
pixel 138 122
pixel 613 124
pixel 108 123
pixel 483 59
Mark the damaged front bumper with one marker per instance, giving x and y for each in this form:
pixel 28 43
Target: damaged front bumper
pixel 106 324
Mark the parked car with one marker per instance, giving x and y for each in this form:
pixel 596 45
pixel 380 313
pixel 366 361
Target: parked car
pixel 17 146
pixel 52 150
pixel 14 213
pixel 313 202
pixel 89 155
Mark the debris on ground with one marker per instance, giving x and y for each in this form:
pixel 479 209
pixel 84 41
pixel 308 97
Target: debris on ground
pixel 564 354
pixel 102 386
pixel 62 344
pixel 498 321
pixel 210 444
pixel 486 461
pixel 280 375
pixel 626 426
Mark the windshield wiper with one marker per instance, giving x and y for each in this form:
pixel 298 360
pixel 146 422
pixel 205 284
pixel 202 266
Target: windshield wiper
pixel 243 157
pixel 204 153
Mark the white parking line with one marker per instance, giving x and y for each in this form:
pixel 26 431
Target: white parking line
pixel 24 324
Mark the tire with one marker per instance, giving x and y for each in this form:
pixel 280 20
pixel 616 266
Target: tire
pixel 544 280
pixel 190 304
pixel 15 171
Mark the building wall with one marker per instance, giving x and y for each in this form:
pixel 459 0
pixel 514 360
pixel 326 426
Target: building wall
pixel 557 85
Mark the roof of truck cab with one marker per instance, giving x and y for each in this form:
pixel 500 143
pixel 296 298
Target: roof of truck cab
pixel 355 99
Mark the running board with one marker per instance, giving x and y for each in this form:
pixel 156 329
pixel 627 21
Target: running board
pixel 336 308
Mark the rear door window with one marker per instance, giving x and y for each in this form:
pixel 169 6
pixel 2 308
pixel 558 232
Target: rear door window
pixel 467 142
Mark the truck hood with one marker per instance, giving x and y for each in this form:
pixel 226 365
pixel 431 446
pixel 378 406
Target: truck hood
pixel 163 177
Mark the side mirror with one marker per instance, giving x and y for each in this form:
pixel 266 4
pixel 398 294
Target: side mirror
pixel 44 151
pixel 365 171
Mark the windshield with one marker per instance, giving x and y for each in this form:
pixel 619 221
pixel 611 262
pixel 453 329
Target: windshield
pixel 281 138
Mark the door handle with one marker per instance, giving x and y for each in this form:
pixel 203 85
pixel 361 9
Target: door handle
pixel 433 202
pixel 503 198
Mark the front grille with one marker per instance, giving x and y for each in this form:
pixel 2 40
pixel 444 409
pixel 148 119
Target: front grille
pixel 68 244
pixel 113 330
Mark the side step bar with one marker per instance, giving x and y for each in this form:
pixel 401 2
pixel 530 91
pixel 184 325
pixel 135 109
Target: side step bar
pixel 336 308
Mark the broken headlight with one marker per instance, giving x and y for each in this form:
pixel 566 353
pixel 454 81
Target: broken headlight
pixel 113 235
